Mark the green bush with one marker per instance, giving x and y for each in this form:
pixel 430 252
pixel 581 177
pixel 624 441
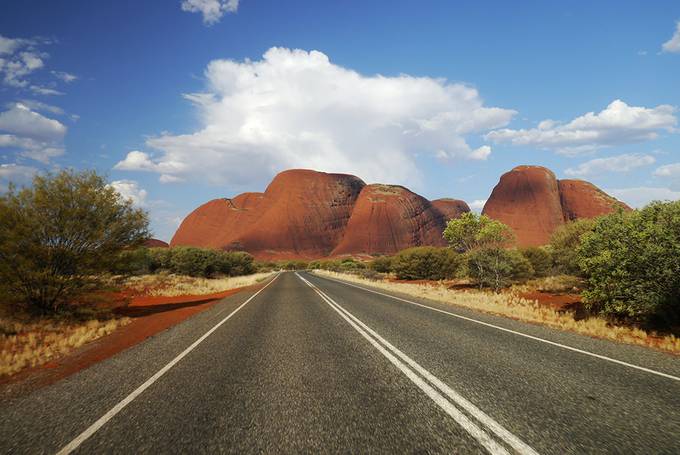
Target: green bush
pixel 60 235
pixel 632 265
pixel 541 260
pixel 382 264
pixel 426 263
pixel 563 245
pixel 498 268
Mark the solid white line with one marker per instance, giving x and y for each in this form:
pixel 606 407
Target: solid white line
pixel 535 338
pixel 468 425
pixel 71 446
pixel 516 443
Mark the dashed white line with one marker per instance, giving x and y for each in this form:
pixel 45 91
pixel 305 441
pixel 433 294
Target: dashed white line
pixel 525 335
pixel 391 353
pixel 92 429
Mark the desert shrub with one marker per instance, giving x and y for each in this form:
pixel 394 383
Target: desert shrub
pixel 266 266
pixel 541 260
pixel 498 268
pixel 159 259
pixel 632 264
pixel 200 262
pixel 294 265
pixel 563 245
pixel 382 264
pixel 60 234
pixel 133 262
pixel 351 265
pixel 426 263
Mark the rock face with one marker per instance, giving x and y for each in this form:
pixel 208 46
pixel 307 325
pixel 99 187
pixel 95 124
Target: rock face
pixel 450 208
pixel 302 213
pixel 534 203
pixel 155 243
pixel 389 218
pixel 581 199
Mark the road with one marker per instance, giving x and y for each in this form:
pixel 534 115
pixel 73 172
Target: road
pixel 309 364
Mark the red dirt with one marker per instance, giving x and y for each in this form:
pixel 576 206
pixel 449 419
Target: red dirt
pixel 534 203
pixel 390 218
pixel 150 315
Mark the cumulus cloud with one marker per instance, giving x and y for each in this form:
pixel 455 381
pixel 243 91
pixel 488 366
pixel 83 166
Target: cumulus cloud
pixel 673 44
pixel 297 109
pixel 641 196
pixel 130 189
pixel 212 10
pixel 16 174
pixel 620 163
pixel 617 124
pixel 34 135
pixel 668 170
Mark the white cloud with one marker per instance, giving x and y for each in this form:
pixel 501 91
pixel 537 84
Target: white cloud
pixel 673 44
pixel 212 10
pixel 34 135
pixel 619 163
pixel 40 106
pixel 477 205
pixel 130 189
pixel 64 76
pixel 668 170
pixel 641 196
pixel 15 173
pixel 296 109
pixel 618 124
pixel 39 90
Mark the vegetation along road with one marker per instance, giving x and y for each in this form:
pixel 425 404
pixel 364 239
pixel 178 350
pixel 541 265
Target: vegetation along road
pixel 310 364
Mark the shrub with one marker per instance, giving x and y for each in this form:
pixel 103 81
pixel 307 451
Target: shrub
pixel 632 264
pixel 564 243
pixel 497 268
pixel 382 264
pixel 60 234
pixel 426 263
pixel 540 258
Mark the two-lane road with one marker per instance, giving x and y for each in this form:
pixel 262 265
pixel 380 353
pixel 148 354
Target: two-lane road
pixel 309 364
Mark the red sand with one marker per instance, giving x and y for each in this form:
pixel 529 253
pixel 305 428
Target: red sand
pixel 150 315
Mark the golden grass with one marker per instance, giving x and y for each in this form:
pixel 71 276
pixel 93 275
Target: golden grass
pixel 24 344
pixel 554 284
pixel 177 285
pixel 513 306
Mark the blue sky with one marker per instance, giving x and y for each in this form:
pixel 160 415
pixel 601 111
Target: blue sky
pixel 179 102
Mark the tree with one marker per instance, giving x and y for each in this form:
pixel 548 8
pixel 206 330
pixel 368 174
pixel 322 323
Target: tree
pixel 565 241
pixel 498 268
pixel 58 235
pixel 471 231
pixel 484 241
pixel 540 258
pixel 632 264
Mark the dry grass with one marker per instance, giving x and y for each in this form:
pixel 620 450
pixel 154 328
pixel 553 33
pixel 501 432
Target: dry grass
pixel 177 285
pixel 510 305
pixel 554 284
pixel 24 344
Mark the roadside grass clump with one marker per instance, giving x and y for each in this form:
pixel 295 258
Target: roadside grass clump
pixel 30 342
pixel 170 285
pixel 515 307
pixel 556 284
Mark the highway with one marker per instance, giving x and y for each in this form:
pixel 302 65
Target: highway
pixel 308 364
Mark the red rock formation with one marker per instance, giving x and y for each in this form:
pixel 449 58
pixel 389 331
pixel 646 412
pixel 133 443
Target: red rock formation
pixel 581 199
pixel 303 213
pixel 534 203
pixel 528 200
pixel 450 208
pixel 389 218
pixel 217 223
pixel 155 243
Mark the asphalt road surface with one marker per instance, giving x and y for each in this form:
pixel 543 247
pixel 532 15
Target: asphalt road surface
pixel 312 365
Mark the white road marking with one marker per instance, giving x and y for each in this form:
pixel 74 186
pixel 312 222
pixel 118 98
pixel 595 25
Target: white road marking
pixel 525 335
pixel 71 446
pixel 467 424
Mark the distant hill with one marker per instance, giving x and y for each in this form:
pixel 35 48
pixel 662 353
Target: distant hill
pixel 306 214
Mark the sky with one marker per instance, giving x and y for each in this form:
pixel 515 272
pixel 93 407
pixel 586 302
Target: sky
pixel 179 102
